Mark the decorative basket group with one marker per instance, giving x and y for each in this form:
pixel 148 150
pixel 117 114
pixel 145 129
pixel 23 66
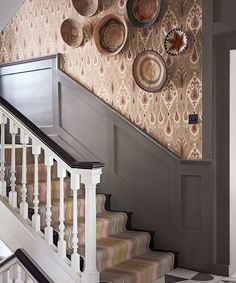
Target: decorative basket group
pixel 110 34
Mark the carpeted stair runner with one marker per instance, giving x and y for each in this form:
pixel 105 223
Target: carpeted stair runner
pixel 123 256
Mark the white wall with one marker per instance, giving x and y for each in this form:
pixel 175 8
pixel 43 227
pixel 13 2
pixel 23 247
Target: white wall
pixel 232 157
pixel 7 10
pixel 4 250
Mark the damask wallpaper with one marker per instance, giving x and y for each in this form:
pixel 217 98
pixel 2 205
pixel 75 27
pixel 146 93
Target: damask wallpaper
pixel 35 31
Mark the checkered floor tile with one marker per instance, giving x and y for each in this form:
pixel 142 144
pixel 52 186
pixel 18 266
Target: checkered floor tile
pixel 187 276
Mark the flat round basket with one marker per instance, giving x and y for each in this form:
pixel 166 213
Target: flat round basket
pixel 86 8
pixel 143 13
pixel 72 33
pixel 149 71
pixel 110 34
pixel 176 42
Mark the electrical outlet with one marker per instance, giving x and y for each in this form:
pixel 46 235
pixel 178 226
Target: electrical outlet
pixel 193 119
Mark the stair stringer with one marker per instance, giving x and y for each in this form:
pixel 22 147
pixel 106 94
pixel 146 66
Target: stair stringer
pixel 17 233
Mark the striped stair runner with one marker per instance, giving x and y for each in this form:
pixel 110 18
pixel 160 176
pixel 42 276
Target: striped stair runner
pixel 123 256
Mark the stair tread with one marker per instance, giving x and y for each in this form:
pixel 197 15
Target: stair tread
pixel 107 224
pixel 100 216
pixel 119 247
pixel 144 268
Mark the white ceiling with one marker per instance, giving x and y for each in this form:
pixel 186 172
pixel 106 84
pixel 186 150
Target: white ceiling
pixel 7 10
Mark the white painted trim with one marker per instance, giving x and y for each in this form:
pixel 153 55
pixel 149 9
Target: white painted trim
pixel 24 236
pixel 232 156
pixel 9 146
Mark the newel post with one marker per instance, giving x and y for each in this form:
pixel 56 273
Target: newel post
pixel 90 178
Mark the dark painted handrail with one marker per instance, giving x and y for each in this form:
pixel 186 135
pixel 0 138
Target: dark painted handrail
pixel 23 258
pixel 59 151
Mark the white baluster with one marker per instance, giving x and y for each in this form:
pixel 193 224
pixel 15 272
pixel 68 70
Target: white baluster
pixel 8 277
pixel 48 230
pixel 3 186
pixel 61 173
pixel 17 274
pixel 2 275
pixel 75 185
pixel 90 178
pixel 36 150
pixel 29 279
pixel 24 139
pixel 13 193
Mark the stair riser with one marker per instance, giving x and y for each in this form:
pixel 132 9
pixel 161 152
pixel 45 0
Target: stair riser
pixel 116 249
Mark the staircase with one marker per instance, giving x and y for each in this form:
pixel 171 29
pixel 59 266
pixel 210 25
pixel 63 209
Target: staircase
pixel 41 182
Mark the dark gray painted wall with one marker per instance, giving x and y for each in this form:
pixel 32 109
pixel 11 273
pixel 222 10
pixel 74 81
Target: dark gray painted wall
pixel 219 36
pixel 141 175
pixel 31 84
pixel 167 195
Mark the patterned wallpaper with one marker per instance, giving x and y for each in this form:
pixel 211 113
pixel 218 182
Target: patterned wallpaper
pixel 35 31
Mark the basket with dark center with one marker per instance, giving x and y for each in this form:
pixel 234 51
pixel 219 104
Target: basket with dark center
pixel 85 8
pixel 72 32
pixel 149 71
pixel 143 13
pixel 110 34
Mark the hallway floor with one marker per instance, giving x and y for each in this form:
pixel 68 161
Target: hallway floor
pixel 183 275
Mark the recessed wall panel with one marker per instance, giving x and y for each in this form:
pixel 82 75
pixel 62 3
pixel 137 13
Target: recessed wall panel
pixel 84 124
pixel 148 176
pixel 191 203
pixel 31 93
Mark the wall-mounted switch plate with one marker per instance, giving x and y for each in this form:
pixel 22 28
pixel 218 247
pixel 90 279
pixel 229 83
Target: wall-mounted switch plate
pixel 193 119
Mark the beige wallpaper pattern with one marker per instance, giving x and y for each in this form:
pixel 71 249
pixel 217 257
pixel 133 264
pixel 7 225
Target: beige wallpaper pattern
pixel 35 31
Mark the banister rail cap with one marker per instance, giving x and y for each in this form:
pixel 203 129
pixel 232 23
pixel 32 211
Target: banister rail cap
pixel 87 165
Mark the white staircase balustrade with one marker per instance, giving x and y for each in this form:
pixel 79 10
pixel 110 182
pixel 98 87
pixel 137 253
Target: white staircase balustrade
pixel 14 272
pixel 84 172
